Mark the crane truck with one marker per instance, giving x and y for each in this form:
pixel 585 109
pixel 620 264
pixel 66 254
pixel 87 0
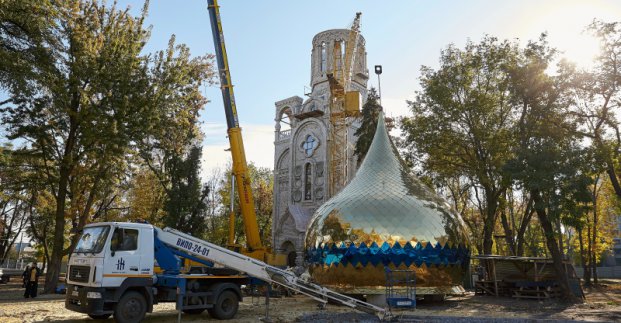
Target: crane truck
pixel 114 268
pixel 113 271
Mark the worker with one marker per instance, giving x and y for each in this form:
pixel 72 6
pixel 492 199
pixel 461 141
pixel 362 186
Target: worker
pixel 32 281
pixel 24 275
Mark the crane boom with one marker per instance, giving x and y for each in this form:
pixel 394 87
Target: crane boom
pixel 350 52
pixel 189 246
pixel 240 167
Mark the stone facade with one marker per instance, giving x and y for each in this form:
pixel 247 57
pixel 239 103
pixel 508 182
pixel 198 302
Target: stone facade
pixel 302 146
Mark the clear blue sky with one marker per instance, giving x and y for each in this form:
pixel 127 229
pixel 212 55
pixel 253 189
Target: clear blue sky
pixel 269 45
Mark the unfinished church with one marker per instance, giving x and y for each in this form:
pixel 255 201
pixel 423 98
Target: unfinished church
pixel 302 143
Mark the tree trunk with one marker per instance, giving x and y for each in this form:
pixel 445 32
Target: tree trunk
pixel 587 279
pixel 614 180
pixel 587 274
pixel 508 233
pixel 489 221
pixel 594 241
pixel 561 247
pixel 553 246
pixel 528 214
pixel 66 167
pixel 51 277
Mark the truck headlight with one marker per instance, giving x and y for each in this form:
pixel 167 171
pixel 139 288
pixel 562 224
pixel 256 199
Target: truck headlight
pixel 93 295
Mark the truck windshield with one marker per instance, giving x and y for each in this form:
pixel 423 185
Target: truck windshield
pixel 93 239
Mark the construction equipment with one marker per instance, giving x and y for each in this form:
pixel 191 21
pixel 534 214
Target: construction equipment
pixel 254 247
pixel 111 271
pixel 344 103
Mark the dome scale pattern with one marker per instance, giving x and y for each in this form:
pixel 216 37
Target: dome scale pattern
pixel 386 218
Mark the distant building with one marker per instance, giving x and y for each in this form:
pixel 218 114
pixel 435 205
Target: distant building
pixel 616 247
pixel 22 246
pixel 301 161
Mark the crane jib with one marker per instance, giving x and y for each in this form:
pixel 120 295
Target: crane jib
pixel 226 85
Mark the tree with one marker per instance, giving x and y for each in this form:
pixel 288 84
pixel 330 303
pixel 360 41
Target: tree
pixel 596 94
pixel 82 97
pixel 262 183
pixel 146 197
pixel 185 198
pixel 13 209
pixel 370 112
pixel 461 123
pixel 548 160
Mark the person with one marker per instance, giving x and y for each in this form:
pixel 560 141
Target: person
pixel 32 281
pixel 24 275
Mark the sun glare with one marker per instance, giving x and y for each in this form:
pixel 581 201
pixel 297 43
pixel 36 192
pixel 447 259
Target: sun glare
pixel 566 26
pixel 581 50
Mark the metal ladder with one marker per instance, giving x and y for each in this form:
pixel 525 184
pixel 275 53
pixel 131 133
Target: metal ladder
pixel 196 248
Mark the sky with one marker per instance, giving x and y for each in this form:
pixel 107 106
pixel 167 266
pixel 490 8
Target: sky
pixel 269 43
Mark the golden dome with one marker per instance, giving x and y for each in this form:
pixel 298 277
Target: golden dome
pixel 385 217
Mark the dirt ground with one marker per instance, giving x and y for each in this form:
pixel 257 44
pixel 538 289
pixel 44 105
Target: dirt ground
pixel 603 304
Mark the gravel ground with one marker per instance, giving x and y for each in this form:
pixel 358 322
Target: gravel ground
pixel 603 305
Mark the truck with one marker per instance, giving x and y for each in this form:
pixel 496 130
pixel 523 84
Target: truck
pixel 7 273
pixel 124 268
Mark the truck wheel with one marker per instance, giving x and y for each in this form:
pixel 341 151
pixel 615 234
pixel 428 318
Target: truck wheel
pixel 226 306
pixel 99 316
pixel 131 308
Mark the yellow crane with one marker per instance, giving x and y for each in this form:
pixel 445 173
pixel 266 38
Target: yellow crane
pixel 254 247
pixel 344 103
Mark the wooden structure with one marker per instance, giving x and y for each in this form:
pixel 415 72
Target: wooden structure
pixel 522 277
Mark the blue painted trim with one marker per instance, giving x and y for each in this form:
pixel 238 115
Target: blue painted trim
pixel 385 254
pixel 165 257
pixel 187 256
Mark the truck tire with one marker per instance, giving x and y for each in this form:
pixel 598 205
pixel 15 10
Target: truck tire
pixel 131 308
pixel 226 306
pixel 99 316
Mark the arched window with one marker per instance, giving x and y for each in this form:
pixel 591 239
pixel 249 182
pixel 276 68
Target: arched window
pixel 285 119
pixel 341 60
pixel 324 57
pixel 308 186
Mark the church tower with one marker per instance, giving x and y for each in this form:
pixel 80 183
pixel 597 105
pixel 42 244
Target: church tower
pixel 302 145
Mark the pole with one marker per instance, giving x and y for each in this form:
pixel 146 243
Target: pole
pixel 378 71
pixel 379 86
pixel 19 250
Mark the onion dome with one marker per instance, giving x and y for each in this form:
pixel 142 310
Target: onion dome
pixel 386 218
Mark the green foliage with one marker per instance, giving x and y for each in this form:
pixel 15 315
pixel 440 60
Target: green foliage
pixel 461 123
pixel 185 199
pixel 146 197
pixel 262 184
pixel 597 93
pixel 13 201
pixel 370 112
pixel 83 99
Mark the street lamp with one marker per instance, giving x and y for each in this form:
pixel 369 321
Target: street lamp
pixel 378 71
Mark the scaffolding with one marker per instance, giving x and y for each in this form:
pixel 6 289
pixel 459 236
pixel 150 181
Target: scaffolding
pixel 344 103
pixel 400 288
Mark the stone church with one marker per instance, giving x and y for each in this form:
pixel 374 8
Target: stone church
pixel 302 145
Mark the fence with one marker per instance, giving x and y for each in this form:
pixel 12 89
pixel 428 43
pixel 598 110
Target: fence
pixel 602 272
pixel 11 263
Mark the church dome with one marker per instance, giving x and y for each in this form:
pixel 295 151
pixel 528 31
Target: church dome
pixel 386 218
